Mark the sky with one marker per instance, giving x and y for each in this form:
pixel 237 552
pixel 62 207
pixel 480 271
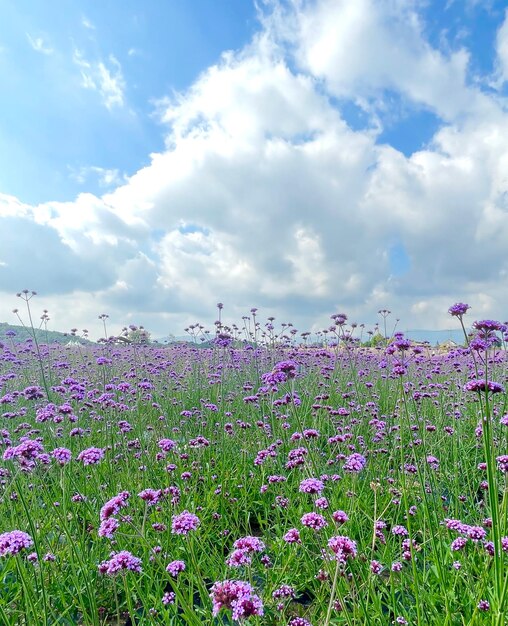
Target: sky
pixel 304 157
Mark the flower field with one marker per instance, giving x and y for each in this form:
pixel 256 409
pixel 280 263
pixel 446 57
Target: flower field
pixel 263 482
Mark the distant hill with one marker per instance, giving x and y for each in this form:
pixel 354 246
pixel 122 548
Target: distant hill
pixel 436 336
pixel 22 334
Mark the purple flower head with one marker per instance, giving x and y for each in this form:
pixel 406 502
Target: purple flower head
pixel 343 547
pixel 284 591
pixel 489 326
pixel 29 450
pixel 292 536
pixel 150 496
pixel 167 445
pixel 314 521
pixel 108 527
pixel 239 558
pixel 484 385
pixel 13 542
pixel 183 523
pixel 311 485
pixel 114 505
pixel 62 455
pixel 340 517
pixel 175 568
pixel 91 456
pixel 238 596
pixel 249 544
pixel 121 561
pixel 459 309
pixel 502 463
pixel 299 621
pixel 355 463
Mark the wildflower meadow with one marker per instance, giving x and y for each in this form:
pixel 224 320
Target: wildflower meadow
pixel 255 478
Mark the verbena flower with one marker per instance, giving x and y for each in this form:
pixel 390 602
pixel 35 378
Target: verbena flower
pixel 314 521
pixel 121 561
pixel 459 309
pixel 183 523
pixel 91 456
pixel 311 485
pixel 175 568
pixel 12 542
pixel 114 505
pixel 236 595
pixel 343 547
pixel 484 385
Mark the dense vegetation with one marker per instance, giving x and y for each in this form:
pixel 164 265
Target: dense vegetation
pixel 268 484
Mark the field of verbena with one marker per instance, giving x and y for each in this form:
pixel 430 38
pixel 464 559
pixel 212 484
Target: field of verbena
pixel 400 529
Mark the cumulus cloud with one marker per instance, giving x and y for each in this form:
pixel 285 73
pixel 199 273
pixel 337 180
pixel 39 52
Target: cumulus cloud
pixel 265 196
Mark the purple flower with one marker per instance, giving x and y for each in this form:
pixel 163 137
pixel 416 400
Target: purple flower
pixel 292 536
pixel 299 621
pixel 114 505
pixel 120 561
pixel 91 456
pixel 459 309
pixel 167 445
pixel 311 485
pixel 284 591
pixel 458 544
pixel 168 598
pixel 502 463
pixel 183 523
pixel 62 455
pixel 484 385
pixel 175 567
pixel 355 463
pixel 249 544
pixel 29 449
pixel 314 521
pixel 13 542
pixel 238 596
pixel 343 547
pixel 489 326
pixel 108 527
pixel 340 517
pixel 483 605
pixel 150 496
pixel 238 558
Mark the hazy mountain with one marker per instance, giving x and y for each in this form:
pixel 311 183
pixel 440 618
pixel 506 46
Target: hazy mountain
pixel 22 334
pixel 436 336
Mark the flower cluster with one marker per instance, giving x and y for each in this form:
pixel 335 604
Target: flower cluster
pixel 238 596
pixel 14 541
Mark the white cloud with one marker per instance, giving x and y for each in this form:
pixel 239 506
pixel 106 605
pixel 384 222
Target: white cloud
pixel 265 196
pixel 86 23
pixel 502 51
pixel 105 177
pixel 106 78
pixel 39 45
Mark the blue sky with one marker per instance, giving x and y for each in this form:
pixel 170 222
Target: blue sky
pixel 51 127
pixel 297 156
